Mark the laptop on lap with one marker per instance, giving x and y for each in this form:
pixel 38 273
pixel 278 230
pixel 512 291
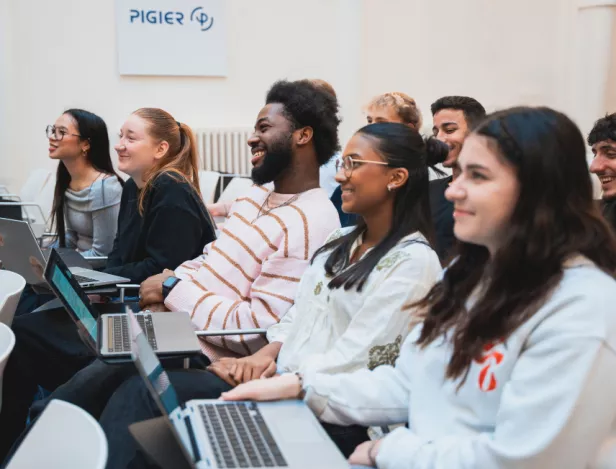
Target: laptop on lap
pixel 169 334
pixel 21 253
pixel 218 434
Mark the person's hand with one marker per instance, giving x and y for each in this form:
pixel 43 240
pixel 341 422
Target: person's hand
pixel 157 308
pixel 217 210
pixel 271 389
pixel 365 454
pixel 221 369
pixel 253 367
pixel 151 290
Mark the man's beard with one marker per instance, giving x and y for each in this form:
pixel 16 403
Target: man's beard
pixel 277 159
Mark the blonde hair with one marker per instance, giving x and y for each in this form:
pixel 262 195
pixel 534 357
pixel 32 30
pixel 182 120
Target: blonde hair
pixel 404 105
pixel 181 158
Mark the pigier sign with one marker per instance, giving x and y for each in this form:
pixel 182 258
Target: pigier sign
pixel 171 37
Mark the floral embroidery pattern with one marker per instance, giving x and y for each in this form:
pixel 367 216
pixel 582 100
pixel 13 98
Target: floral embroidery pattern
pixel 318 288
pixel 384 354
pixel 335 235
pixel 490 359
pixel 391 259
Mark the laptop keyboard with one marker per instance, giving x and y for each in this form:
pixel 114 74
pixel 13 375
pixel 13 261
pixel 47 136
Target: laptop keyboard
pixel 82 279
pixel 121 333
pixel 239 436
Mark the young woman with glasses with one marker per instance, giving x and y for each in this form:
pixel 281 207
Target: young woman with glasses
pixel 511 363
pixel 88 190
pixel 349 312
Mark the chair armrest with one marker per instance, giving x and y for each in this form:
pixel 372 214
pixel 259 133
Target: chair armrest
pixel 231 332
pixel 25 204
pixel 126 286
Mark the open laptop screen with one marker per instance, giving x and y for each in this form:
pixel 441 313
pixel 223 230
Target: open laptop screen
pixel 150 368
pixel 71 298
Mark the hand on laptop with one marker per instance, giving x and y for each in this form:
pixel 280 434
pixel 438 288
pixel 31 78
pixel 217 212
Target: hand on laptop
pixel 252 367
pixel 286 386
pixel 151 290
pixel 158 308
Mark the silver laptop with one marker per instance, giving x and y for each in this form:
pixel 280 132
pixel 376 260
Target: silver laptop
pixel 217 434
pixel 169 334
pixel 21 253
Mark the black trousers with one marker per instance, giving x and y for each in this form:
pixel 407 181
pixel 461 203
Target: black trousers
pixel 48 352
pixel 132 403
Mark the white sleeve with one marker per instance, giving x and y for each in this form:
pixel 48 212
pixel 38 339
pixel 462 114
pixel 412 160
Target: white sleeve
pixel 280 331
pixel 555 411
pixel 382 322
pixel 364 397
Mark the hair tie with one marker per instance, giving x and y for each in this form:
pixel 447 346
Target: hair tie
pixel 181 135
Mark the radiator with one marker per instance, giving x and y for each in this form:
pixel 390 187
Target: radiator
pixel 225 149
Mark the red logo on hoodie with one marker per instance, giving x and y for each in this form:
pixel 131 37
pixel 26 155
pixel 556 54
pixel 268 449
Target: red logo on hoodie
pixel 490 359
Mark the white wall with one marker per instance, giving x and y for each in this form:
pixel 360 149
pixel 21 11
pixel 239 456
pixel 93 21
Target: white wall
pixel 62 54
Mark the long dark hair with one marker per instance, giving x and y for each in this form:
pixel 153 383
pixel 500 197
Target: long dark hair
pixel 401 147
pixel 181 160
pixel 91 128
pixel 554 218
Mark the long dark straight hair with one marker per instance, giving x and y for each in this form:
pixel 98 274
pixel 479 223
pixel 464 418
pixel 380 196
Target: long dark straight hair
pixel 401 147
pixel 555 218
pixel 91 128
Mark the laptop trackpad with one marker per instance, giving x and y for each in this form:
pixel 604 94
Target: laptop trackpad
pixel 302 439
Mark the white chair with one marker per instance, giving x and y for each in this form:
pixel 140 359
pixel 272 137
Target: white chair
pixel 63 437
pixel 7 342
pixel 11 286
pixel 35 199
pixel 237 187
pixel 207 185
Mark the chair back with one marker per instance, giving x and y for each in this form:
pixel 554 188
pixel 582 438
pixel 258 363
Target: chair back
pixel 237 187
pixel 63 437
pixel 7 342
pixel 34 184
pixel 207 185
pixel 11 286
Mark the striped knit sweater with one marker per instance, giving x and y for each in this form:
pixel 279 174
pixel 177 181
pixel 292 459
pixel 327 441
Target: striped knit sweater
pixel 248 277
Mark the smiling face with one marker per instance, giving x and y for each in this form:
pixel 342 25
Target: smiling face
pixel 71 146
pixel 604 166
pixel 138 152
pixel 366 189
pixel 484 195
pixel 271 144
pixel 450 127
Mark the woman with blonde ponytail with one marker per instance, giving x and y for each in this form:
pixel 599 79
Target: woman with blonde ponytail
pixel 162 223
pixel 163 220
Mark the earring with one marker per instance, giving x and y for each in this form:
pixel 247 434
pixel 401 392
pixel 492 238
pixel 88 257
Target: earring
pixel 390 188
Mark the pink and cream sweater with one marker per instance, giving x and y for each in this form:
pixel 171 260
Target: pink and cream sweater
pixel 248 277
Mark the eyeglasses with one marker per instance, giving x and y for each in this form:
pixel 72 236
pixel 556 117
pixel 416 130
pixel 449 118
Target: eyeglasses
pixel 57 134
pixel 349 164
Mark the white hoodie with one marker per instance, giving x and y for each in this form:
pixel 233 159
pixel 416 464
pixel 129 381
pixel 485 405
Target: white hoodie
pixel 544 399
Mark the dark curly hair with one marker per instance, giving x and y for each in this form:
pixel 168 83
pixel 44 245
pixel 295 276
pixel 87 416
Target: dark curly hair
pixel 604 129
pixel 308 105
pixel 473 111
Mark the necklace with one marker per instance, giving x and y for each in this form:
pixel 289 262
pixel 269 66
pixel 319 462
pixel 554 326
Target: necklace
pixel 268 210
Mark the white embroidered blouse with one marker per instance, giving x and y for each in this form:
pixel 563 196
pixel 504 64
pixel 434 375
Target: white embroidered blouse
pixel 336 331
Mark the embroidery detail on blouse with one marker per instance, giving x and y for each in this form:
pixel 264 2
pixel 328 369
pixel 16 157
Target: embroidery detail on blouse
pixel 490 359
pixel 318 288
pixel 335 235
pixel 384 354
pixel 389 260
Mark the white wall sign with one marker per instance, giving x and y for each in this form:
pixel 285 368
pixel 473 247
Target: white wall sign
pixel 171 37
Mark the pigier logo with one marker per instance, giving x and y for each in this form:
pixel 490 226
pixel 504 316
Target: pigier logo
pixel 490 360
pixel 173 18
